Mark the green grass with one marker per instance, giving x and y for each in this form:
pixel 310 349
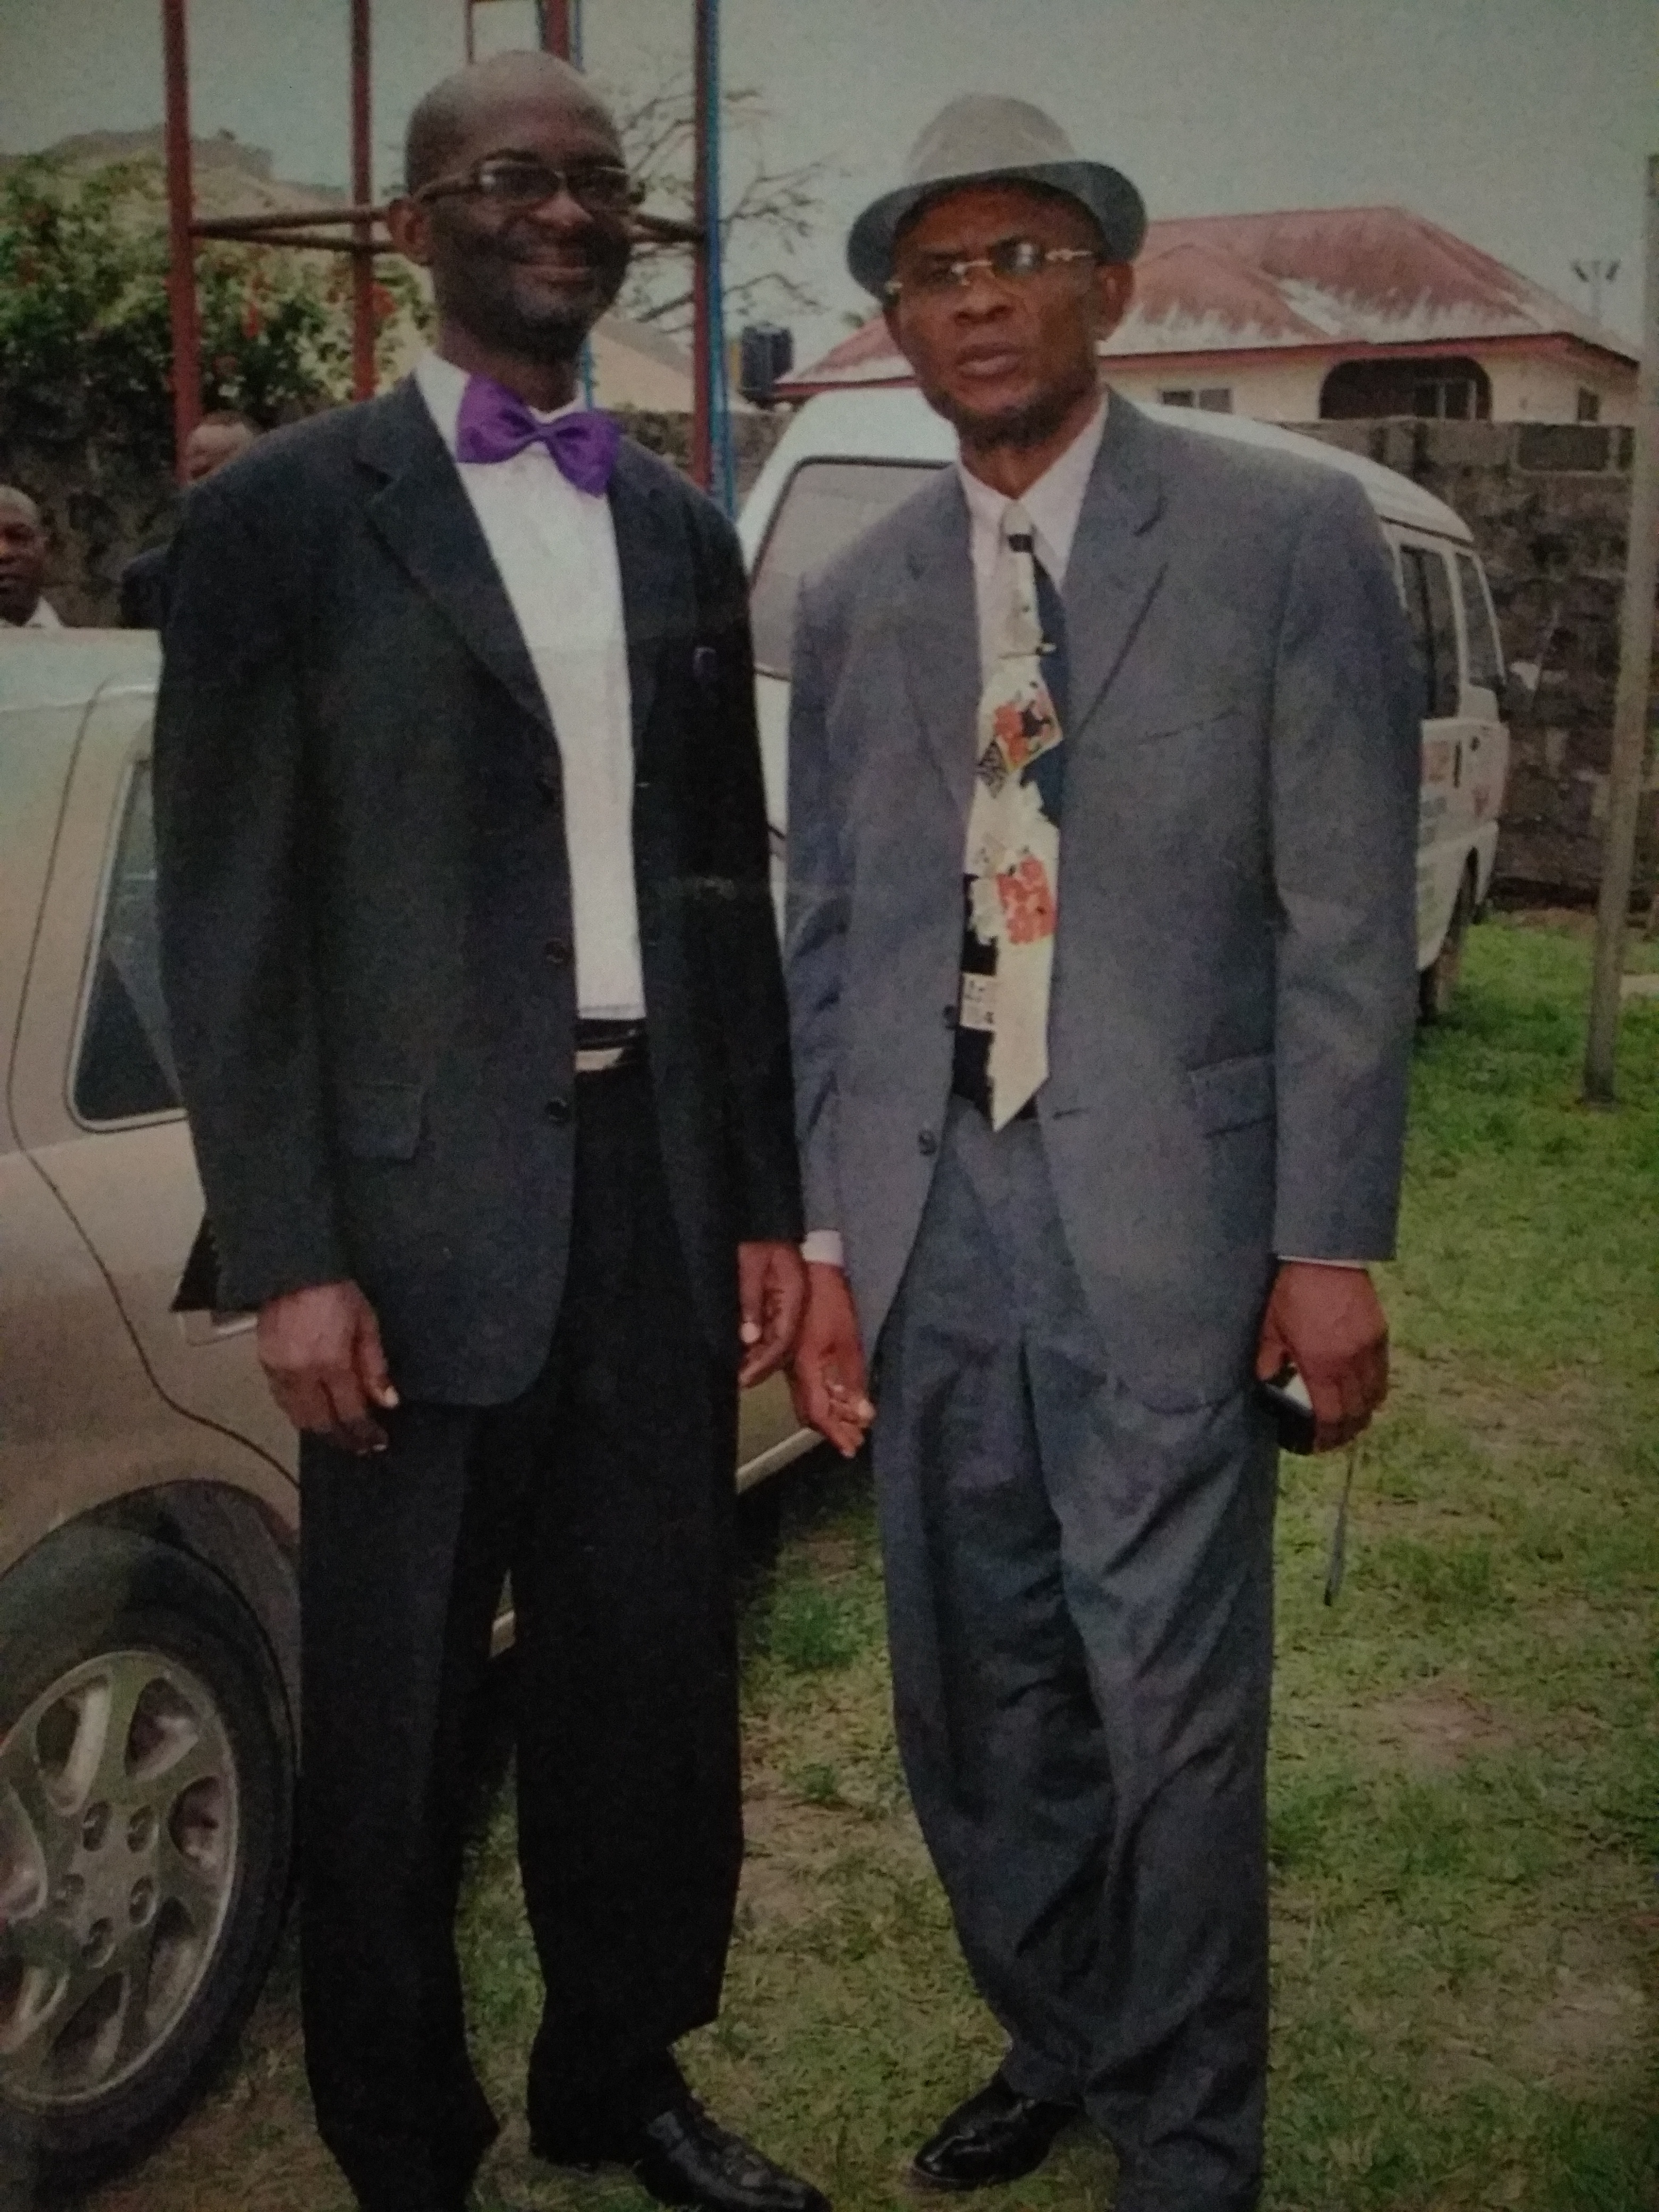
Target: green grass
pixel 1465 1776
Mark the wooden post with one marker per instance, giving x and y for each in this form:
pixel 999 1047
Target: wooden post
pixel 1631 709
pixel 181 250
pixel 556 27
pixel 363 377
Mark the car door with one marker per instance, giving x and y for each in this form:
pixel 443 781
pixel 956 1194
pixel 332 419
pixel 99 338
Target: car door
pixel 95 1097
pixel 1428 589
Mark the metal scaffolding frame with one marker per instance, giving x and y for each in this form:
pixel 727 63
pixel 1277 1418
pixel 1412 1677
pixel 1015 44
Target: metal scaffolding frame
pixel 359 228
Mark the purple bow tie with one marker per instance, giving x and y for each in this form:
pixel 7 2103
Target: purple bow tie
pixel 495 423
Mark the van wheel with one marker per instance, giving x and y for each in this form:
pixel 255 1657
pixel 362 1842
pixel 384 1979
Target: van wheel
pixel 1437 984
pixel 146 1829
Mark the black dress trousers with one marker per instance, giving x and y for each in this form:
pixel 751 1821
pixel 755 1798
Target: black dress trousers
pixel 607 1492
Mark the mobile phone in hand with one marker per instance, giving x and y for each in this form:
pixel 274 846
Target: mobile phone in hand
pixel 1292 1409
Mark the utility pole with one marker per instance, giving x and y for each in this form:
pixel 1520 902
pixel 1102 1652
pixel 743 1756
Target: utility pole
pixel 1630 716
pixel 1595 274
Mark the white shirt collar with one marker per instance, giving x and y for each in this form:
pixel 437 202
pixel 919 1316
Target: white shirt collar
pixel 1053 502
pixel 45 617
pixel 443 386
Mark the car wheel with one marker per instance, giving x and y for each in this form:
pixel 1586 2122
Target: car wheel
pixel 1437 984
pixel 146 1829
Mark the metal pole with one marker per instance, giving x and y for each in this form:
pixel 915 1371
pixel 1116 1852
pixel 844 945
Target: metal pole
pixel 704 215
pixel 1630 714
pixel 362 192
pixel 181 250
pixel 556 27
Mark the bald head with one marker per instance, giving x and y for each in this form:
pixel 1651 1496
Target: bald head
pixel 13 502
pixel 477 101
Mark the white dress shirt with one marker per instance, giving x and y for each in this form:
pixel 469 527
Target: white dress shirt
pixel 555 549
pixel 44 617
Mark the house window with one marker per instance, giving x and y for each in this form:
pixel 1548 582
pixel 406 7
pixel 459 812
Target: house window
pixel 1217 399
pixel 1181 397
pixel 1590 404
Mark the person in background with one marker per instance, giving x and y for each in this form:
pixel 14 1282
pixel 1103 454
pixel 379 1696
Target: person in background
pixel 23 563
pixel 1103 776
pixel 468 946
pixel 216 439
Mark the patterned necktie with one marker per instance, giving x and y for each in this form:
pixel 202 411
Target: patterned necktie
pixel 493 424
pixel 1013 861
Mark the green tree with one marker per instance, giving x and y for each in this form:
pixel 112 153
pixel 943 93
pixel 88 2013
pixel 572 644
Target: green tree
pixel 85 341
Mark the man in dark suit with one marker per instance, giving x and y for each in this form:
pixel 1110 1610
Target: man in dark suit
pixel 1101 826
pixel 470 955
pixel 219 437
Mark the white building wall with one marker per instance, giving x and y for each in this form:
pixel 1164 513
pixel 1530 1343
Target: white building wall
pixel 1271 391
pixel 1546 390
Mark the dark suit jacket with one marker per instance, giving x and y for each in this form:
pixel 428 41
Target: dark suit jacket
pixel 144 589
pixel 365 901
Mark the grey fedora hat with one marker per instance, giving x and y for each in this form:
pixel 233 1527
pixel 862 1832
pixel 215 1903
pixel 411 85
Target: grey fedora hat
pixel 981 139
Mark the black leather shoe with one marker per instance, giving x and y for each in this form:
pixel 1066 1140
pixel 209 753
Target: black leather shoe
pixel 996 2135
pixel 684 2157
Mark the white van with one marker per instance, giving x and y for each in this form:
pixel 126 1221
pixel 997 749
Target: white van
pixel 848 457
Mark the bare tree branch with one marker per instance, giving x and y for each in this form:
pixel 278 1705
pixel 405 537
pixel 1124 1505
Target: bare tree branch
pixel 767 212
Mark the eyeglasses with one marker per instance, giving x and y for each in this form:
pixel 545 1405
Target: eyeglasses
pixel 1010 261
pixel 509 180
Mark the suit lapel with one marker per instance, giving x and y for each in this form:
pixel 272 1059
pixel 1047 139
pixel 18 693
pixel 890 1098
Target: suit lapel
pixel 658 598
pixel 423 514
pixel 938 628
pixel 1117 558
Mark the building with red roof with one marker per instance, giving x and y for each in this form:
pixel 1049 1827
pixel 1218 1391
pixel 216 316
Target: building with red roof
pixel 1329 313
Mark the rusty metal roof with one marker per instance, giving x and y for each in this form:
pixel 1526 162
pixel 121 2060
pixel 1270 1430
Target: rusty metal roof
pixel 1328 278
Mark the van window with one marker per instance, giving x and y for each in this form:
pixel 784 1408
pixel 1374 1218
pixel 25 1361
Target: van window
pixel 1434 627
pixel 1485 659
pixel 124 1068
pixel 825 505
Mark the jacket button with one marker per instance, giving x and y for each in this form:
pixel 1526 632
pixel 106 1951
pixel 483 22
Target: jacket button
pixel 548 784
pixel 558 1111
pixel 558 952
pixel 950 1017
pixel 927 1143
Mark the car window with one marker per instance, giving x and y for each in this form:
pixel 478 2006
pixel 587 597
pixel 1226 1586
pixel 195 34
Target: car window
pixel 124 1068
pixel 1434 627
pixel 825 505
pixel 1485 658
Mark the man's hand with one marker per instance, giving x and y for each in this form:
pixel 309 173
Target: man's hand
pixel 321 1349
pixel 771 1292
pixel 827 1378
pixel 1329 1323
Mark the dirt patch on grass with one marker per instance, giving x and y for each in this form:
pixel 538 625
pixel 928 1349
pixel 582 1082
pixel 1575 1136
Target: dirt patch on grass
pixel 1434 1728
pixel 788 1849
pixel 1596 2016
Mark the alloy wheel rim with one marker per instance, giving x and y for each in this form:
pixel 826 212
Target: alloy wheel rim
pixel 120 1848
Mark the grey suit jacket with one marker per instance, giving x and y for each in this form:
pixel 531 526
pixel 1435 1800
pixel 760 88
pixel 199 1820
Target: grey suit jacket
pixel 1232 1006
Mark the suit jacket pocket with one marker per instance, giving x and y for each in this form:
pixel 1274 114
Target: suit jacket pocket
pixel 379 1121
pixel 1231 1094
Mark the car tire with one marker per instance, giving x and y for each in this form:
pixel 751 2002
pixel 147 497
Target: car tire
pixel 146 1838
pixel 1437 984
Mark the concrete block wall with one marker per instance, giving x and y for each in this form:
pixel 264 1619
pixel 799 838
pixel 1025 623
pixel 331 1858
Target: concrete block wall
pixel 1548 504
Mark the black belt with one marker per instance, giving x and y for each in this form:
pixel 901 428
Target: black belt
pixel 609 1047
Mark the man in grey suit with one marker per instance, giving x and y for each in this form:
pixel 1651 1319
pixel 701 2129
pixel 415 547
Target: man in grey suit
pixel 1103 788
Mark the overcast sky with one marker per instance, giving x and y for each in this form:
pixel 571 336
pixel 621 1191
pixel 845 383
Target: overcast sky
pixel 1521 125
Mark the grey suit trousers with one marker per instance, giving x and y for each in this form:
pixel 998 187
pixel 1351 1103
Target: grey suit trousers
pixel 1079 1594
